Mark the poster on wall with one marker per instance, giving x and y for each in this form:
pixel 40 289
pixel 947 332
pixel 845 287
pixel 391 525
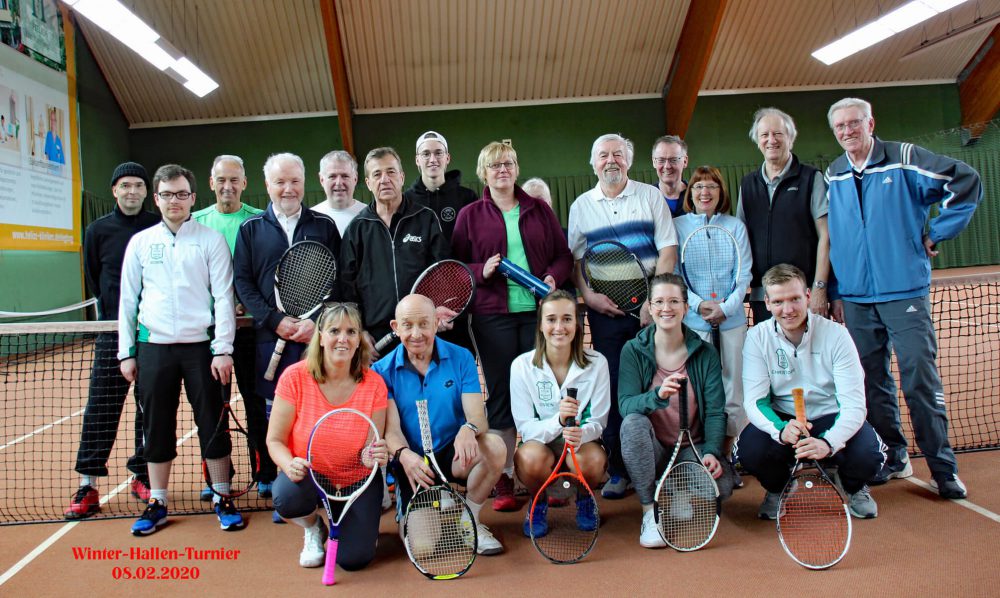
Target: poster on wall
pixel 37 210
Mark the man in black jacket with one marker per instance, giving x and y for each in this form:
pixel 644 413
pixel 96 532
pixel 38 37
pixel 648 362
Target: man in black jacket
pixel 388 245
pixel 103 248
pixel 438 188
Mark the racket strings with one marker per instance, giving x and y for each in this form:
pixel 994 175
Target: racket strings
pixel 440 534
pixel 449 284
pixel 572 527
pixel 306 277
pixel 232 475
pixel 687 507
pixel 340 454
pixel 615 272
pixel 812 521
pixel 710 263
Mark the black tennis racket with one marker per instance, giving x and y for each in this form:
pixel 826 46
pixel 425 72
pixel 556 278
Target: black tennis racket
pixel 449 283
pixel 814 523
pixel 571 529
pixel 687 497
pixel 612 269
pixel 342 466
pixel 710 263
pixel 303 279
pixel 235 474
pixel 439 531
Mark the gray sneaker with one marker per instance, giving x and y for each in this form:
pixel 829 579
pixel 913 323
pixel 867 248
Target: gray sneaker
pixel 892 470
pixel 862 505
pixel 769 507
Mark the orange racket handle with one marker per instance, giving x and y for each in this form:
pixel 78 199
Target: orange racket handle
pixel 798 396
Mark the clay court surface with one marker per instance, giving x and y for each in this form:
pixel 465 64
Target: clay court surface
pixel 920 545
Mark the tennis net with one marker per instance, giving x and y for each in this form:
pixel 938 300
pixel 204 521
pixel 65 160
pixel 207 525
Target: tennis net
pixel 45 375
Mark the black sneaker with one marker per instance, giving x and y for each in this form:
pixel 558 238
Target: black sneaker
pixel 898 469
pixel 949 486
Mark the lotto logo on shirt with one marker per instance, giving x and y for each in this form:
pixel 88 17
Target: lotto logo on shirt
pixel 412 239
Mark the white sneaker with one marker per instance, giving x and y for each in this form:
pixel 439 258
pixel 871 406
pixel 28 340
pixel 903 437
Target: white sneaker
pixel 487 543
pixel 650 536
pixel 314 545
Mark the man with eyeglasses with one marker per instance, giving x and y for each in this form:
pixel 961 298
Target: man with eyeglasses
pixel 438 188
pixel 670 159
pixel 338 174
pixel 104 245
pixel 177 321
pixel 881 193
pixel 388 245
pixel 634 214
pixel 784 207
pixel 228 181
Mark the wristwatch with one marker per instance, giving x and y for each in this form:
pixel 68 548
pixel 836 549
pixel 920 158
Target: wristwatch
pixel 473 427
pixel 819 284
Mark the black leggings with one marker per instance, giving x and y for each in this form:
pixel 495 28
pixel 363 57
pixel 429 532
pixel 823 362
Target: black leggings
pixel 359 528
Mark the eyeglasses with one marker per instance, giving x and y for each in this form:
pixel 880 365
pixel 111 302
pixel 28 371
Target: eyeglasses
pixel 673 161
pixel 703 187
pixel 496 166
pixel 663 303
pixel 126 187
pixel 169 195
pixel 850 125
pixel 426 155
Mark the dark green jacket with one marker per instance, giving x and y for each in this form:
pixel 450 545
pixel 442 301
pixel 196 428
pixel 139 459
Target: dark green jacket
pixel 638 366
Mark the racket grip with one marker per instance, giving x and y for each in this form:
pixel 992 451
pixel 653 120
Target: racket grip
pixel 798 397
pixel 272 366
pixel 571 393
pixel 330 568
pixel 384 342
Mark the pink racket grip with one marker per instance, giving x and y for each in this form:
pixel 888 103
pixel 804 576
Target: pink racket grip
pixel 329 570
pixel 272 366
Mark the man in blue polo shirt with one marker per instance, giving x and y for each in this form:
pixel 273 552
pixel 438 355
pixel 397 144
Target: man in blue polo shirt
pixel 424 367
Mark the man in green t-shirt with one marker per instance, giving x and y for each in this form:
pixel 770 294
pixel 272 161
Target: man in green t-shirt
pixel 228 181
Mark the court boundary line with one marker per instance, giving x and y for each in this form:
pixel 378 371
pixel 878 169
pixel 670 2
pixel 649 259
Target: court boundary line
pixel 69 525
pixel 964 502
pixel 42 428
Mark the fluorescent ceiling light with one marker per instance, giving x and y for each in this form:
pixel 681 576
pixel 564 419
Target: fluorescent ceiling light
pixel 889 24
pixel 124 25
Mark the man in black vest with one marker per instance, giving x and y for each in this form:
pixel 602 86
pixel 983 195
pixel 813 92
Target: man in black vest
pixel 784 207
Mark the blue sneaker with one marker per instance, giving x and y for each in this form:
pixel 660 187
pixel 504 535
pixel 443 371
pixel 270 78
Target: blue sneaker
pixel 586 513
pixel 275 518
pixel 207 494
pixel 153 517
pixel 230 519
pixel 615 488
pixel 264 489
pixel 537 523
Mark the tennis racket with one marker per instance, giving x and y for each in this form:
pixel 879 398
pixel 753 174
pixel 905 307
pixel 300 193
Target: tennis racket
pixel 235 474
pixel 342 466
pixel 814 524
pixel 572 529
pixel 612 269
pixel 303 279
pixel 439 531
pixel 449 283
pixel 710 263
pixel 687 498
pixel 526 279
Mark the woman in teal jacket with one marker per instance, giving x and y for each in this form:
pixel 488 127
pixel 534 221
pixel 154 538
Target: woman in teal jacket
pixel 652 364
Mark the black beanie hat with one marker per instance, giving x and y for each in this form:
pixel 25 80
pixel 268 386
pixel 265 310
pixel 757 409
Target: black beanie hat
pixel 129 169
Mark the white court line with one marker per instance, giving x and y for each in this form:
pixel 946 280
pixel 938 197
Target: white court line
pixel 41 429
pixel 960 501
pixel 65 529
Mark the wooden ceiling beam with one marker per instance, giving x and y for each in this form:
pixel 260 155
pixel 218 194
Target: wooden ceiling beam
pixel 691 58
pixel 979 86
pixel 338 71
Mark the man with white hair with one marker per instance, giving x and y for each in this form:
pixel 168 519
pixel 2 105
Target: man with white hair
pixel 338 174
pixel 634 214
pixel 784 206
pixel 262 241
pixel 881 193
